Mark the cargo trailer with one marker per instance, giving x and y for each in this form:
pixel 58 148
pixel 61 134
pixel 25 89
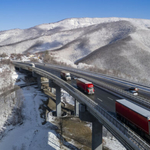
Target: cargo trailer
pixel 85 86
pixel 134 114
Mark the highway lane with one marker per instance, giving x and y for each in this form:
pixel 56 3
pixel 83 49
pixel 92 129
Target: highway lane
pixel 105 100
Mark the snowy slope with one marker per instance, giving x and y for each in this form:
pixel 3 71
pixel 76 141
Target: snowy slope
pixel 78 31
pixel 116 44
pixel 93 37
pixel 129 56
pixel 31 134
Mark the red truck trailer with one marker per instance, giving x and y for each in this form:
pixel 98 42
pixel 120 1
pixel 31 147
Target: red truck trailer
pixel 85 86
pixel 135 114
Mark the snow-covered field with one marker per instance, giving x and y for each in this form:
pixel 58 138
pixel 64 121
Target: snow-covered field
pixel 30 134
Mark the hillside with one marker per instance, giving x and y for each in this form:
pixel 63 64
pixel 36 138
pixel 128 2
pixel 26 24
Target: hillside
pixel 115 44
pixel 127 56
pixel 78 37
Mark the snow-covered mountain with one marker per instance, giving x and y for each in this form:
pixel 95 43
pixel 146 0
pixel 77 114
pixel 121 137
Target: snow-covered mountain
pixel 119 44
pixel 74 37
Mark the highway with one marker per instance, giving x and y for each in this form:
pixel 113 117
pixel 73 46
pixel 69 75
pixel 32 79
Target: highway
pixel 144 91
pixel 105 98
pixel 98 80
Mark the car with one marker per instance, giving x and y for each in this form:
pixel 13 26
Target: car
pixel 133 92
pixel 133 88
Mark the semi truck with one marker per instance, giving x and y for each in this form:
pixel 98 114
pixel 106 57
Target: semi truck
pixel 65 75
pixel 133 90
pixel 135 115
pixel 85 86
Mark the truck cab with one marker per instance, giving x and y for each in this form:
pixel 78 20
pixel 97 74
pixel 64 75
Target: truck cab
pixel 90 89
pixel 68 77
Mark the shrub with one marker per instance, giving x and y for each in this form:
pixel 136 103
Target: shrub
pixel 3 55
pixel 6 62
pixel 48 58
pixel 16 56
pixel 34 60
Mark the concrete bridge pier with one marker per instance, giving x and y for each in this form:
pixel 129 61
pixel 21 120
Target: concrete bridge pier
pixel 39 81
pixel 34 74
pixel 58 101
pixel 97 133
pixel 96 127
pixel 76 108
pixel 20 69
pixel 58 97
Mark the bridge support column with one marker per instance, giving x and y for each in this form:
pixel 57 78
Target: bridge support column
pixel 58 101
pixel 34 74
pixel 58 97
pixel 76 108
pixel 97 135
pixel 96 127
pixel 39 81
pixel 52 85
pixel 20 69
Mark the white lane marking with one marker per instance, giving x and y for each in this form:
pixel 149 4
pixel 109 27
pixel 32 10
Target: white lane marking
pixel 110 98
pixel 99 99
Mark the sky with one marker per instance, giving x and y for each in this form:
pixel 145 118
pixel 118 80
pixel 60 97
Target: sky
pixel 24 14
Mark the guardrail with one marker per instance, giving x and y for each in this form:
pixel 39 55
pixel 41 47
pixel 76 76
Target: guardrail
pixel 129 139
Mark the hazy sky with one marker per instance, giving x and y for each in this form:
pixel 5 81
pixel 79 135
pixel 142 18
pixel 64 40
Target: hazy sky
pixel 28 13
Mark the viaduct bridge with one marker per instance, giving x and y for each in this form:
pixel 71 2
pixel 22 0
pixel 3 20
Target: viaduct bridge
pixel 88 110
